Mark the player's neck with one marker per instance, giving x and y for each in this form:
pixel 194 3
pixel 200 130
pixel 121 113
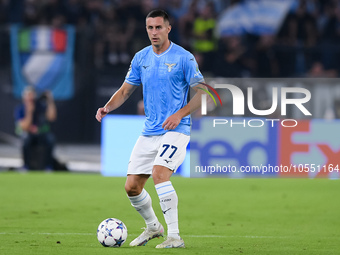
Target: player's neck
pixel 162 48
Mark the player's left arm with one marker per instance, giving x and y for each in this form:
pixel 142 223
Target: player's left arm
pixel 173 120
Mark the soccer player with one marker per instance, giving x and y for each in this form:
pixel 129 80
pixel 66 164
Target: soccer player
pixel 166 71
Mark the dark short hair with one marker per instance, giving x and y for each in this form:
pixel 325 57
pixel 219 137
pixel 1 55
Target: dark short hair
pixel 159 13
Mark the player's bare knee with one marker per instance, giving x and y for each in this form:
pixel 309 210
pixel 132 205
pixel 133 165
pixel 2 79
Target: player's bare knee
pixel 132 189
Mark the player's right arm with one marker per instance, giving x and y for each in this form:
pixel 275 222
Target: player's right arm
pixel 118 98
pixel 132 81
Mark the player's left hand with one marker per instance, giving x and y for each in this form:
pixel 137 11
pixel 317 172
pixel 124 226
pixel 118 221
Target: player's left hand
pixel 171 122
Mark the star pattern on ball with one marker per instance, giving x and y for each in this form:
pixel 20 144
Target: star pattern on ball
pixel 119 241
pixel 109 231
pixel 104 244
pixel 112 232
pixel 120 225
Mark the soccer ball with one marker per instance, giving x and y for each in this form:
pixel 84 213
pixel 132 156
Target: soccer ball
pixel 112 232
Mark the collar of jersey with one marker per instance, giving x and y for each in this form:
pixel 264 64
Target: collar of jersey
pixel 164 51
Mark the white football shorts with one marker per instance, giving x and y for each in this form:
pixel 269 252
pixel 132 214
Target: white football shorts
pixel 165 150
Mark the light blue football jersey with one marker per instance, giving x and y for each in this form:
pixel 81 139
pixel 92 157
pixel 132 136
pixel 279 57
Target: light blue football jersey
pixel 166 79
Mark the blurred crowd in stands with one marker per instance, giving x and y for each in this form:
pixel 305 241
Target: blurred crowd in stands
pixel 307 44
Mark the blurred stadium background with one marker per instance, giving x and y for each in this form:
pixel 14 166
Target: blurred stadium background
pixel 230 38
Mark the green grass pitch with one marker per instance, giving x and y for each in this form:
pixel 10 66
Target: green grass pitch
pixel 58 213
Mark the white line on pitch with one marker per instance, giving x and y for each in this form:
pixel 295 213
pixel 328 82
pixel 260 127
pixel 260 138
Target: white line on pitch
pixel 61 234
pixel 219 236
pixel 193 236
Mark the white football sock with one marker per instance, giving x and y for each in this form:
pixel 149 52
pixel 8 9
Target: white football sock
pixel 169 201
pixel 143 204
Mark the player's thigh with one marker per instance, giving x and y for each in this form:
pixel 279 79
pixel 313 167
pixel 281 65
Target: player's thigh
pixel 143 155
pixel 172 150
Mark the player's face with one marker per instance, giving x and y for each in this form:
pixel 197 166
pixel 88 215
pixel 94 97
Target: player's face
pixel 158 31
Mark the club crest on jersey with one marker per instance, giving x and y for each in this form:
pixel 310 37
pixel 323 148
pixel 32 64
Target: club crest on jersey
pixel 170 66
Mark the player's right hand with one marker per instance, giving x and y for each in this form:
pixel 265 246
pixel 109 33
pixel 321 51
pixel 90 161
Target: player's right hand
pixel 101 113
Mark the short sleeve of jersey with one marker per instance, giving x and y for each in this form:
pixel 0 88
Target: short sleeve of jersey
pixel 192 73
pixel 133 76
